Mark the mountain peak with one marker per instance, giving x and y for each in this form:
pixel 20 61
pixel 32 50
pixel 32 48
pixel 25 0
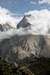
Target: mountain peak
pixel 24 22
pixel 36 21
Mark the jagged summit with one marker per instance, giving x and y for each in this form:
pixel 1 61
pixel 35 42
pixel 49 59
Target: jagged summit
pixel 36 21
pixel 23 23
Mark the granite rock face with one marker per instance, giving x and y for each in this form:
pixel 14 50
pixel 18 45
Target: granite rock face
pixel 18 47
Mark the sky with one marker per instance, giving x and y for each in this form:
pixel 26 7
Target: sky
pixel 21 6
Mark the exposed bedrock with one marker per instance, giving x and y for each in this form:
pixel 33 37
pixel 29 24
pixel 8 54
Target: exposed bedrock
pixel 21 47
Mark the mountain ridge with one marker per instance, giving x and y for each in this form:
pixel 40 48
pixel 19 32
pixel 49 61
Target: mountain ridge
pixel 37 21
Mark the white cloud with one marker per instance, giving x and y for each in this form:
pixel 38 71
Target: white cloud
pixel 44 1
pixel 48 1
pixel 6 17
pixel 40 1
pixel 32 2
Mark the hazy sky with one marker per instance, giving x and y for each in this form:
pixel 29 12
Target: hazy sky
pixel 22 6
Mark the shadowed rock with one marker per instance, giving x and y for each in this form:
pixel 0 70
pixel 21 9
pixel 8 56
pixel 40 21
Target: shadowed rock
pixel 23 23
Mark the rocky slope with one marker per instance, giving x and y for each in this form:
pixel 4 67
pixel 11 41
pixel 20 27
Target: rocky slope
pixel 5 27
pixel 24 23
pixel 39 67
pixel 20 47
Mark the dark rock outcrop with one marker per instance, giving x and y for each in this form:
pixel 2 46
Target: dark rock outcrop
pixel 23 23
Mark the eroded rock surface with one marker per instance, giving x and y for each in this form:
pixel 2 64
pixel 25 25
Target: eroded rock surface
pixel 18 47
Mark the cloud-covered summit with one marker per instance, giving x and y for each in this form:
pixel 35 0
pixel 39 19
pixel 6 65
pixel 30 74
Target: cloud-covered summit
pixel 39 21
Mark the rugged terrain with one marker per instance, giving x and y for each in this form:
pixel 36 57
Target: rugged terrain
pixel 18 48
pixel 25 49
